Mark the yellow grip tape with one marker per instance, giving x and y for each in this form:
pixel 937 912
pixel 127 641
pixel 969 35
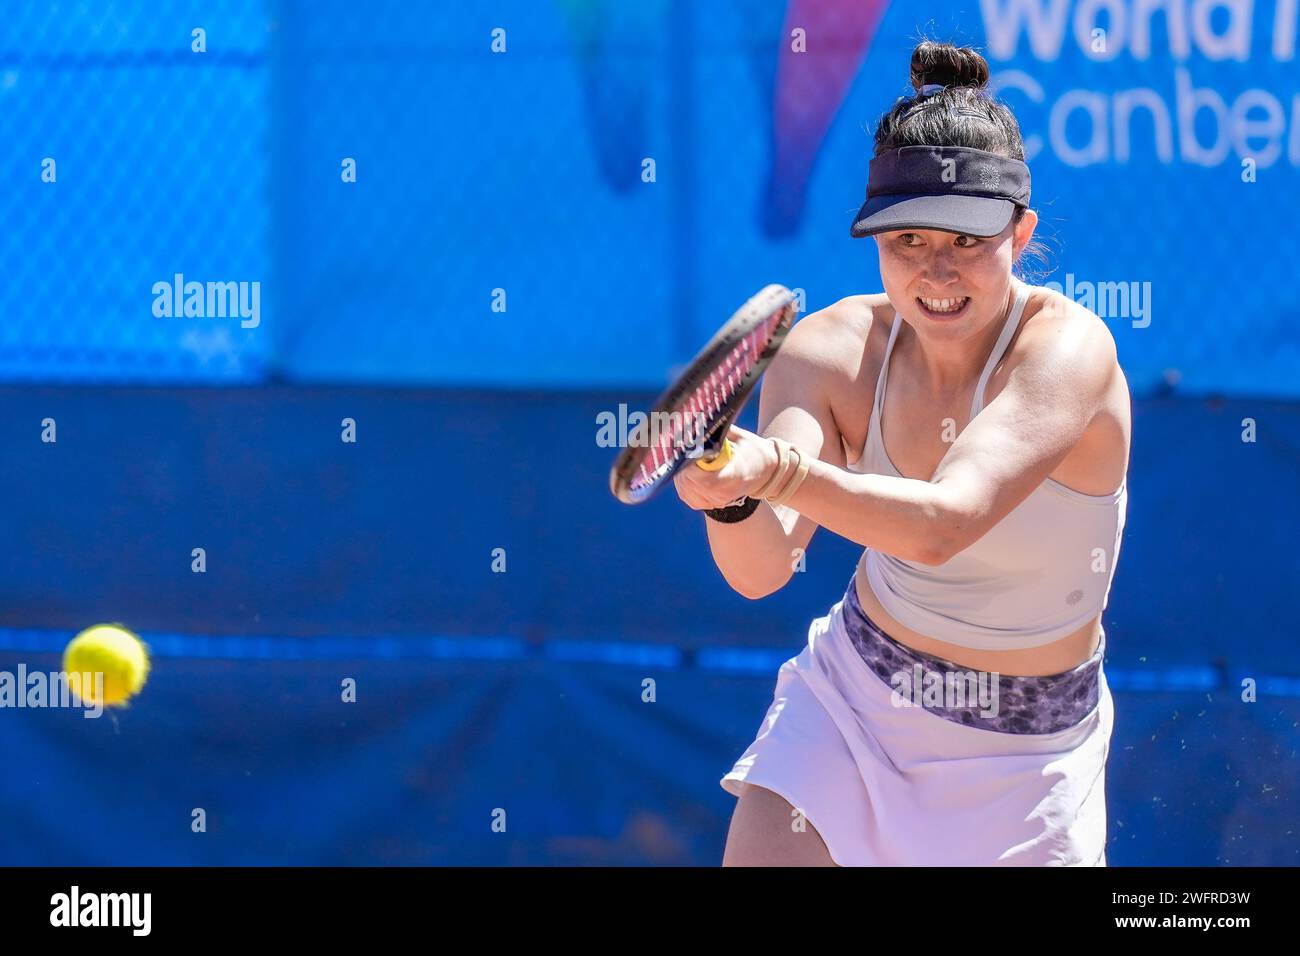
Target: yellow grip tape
pixel 718 462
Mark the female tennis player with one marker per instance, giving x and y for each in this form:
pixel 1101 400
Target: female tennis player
pixel 971 431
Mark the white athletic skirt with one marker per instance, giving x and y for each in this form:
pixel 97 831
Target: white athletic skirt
pixel 888 785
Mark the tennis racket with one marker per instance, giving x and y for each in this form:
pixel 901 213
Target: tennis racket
pixel 690 420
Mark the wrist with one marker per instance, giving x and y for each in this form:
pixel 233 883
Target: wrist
pixel 798 471
pixel 778 462
pixel 791 469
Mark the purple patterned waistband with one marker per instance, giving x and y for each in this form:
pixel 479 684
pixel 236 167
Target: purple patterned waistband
pixel 983 699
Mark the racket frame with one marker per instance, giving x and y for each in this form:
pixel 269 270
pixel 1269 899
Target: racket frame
pixel 750 317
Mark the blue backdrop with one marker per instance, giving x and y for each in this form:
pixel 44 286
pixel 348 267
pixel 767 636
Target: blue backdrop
pixel 472 228
pixel 510 193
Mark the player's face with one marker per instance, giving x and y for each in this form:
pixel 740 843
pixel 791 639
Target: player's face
pixel 948 284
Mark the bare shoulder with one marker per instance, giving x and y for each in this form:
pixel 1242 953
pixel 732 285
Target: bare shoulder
pixel 836 337
pixel 1069 370
pixel 819 370
pixel 1060 319
pixel 1064 343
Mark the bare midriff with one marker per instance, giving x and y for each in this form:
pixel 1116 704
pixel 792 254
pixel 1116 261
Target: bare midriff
pixel 1061 655
pixel 1095 467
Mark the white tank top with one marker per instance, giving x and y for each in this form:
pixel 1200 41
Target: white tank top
pixel 1039 574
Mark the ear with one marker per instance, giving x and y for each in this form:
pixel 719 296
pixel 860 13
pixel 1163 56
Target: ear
pixel 1024 231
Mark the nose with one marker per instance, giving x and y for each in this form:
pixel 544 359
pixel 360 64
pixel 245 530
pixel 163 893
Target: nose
pixel 941 270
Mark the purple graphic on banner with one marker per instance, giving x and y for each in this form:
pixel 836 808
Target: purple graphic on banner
pixel 813 74
pixel 807 74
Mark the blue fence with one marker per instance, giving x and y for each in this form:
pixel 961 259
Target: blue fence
pixel 510 194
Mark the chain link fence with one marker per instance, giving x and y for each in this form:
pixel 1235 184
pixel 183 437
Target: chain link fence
pixel 574 193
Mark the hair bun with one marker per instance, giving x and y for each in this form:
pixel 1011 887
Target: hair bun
pixel 948 65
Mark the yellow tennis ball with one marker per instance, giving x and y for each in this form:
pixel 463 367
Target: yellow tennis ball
pixel 113 651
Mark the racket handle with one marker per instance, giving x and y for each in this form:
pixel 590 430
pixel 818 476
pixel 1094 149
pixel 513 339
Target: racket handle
pixel 718 461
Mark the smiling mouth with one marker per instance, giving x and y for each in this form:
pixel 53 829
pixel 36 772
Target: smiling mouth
pixel 944 308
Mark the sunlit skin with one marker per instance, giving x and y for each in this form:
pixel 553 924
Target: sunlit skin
pixel 927 263
pixel 1067 380
pixel 930 264
pixel 913 263
pixel 1057 405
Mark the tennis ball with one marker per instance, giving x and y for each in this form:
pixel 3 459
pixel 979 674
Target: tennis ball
pixel 113 651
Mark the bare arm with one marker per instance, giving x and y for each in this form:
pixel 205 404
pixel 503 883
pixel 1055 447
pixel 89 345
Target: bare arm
pixel 1012 446
pixel 1025 433
pixel 757 556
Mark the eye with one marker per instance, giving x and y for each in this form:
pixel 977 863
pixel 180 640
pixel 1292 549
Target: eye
pixel 970 241
pixel 907 237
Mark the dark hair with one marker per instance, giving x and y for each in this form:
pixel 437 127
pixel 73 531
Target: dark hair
pixel 962 114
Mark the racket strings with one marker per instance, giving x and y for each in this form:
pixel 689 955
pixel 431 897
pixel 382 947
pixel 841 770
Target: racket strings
pixel 703 406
